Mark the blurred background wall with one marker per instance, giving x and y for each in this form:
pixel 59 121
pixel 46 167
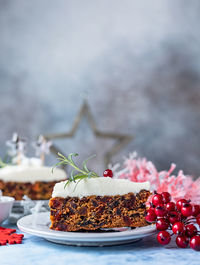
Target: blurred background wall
pixel 137 61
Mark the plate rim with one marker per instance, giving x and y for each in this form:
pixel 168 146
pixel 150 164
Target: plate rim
pixel 82 236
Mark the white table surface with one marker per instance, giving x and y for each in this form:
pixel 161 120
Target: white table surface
pixel 35 250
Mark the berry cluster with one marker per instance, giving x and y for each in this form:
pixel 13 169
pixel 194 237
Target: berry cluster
pixel 178 217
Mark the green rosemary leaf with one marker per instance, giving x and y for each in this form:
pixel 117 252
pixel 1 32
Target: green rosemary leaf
pixel 59 154
pixel 80 176
pixel 72 176
pixel 83 173
pixel 76 177
pixel 56 165
pixel 7 159
pixel 76 184
pixel 70 157
pixel 94 174
pixel 67 183
pixel 90 174
pixel 84 164
pixel 2 164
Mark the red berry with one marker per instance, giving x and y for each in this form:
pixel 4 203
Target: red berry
pixel 196 210
pixel 108 173
pixel 174 217
pixel 186 209
pixel 170 206
pixel 198 219
pixel 178 228
pixel 166 197
pixel 191 230
pixel 160 210
pixel 157 199
pixel 163 237
pixel 182 241
pixel 150 216
pixel 162 224
pixel 179 204
pixel 195 243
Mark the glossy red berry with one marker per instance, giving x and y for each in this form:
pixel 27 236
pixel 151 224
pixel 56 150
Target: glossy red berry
pixel 179 204
pixel 108 173
pixel 170 206
pixel 150 216
pixel 195 243
pixel 173 217
pixel 186 209
pixel 182 241
pixel 196 210
pixel 163 237
pixel 198 219
pixel 160 210
pixel 178 228
pixel 157 199
pixel 166 197
pixel 162 224
pixel 191 230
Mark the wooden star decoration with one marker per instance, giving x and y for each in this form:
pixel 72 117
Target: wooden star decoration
pixel 121 140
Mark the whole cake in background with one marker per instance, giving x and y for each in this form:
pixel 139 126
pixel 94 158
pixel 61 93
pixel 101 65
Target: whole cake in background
pixel 23 175
pixel 88 202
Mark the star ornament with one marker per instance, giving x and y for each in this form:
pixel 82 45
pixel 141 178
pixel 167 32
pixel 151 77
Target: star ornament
pixel 17 145
pixel 42 146
pixel 121 140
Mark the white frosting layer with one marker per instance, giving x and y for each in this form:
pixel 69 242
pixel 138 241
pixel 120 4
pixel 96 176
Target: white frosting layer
pixel 98 186
pixel 31 173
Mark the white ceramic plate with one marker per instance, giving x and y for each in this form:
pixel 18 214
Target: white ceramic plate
pixel 25 207
pixel 38 225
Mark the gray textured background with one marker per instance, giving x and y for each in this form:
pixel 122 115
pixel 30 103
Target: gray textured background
pixel 139 63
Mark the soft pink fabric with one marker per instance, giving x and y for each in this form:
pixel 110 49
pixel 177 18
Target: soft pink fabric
pixel 180 186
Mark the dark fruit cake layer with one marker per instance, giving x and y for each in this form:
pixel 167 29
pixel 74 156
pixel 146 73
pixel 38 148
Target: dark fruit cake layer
pixel 94 212
pixel 34 181
pixel 39 190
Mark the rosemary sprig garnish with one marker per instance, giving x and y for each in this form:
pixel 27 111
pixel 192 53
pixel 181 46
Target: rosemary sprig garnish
pixel 81 173
pixel 2 164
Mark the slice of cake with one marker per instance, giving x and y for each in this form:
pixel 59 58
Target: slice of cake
pixel 29 178
pixel 23 175
pixel 98 202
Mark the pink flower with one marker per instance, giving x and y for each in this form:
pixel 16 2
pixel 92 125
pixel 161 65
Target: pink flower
pixel 140 170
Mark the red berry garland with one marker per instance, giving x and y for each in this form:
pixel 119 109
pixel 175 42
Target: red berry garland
pixel 157 199
pixel 151 216
pixel 170 206
pixel 195 243
pixel 178 228
pixel 163 237
pixel 182 241
pixel 198 219
pixel 9 236
pixel 162 224
pixel 196 210
pixel 179 217
pixel 191 230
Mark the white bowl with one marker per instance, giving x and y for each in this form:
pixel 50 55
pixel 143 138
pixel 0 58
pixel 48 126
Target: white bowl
pixel 6 204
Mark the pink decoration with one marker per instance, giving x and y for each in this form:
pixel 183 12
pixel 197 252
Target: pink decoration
pixel 180 186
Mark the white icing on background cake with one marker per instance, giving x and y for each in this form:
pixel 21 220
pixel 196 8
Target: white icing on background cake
pixel 98 186
pixel 31 173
